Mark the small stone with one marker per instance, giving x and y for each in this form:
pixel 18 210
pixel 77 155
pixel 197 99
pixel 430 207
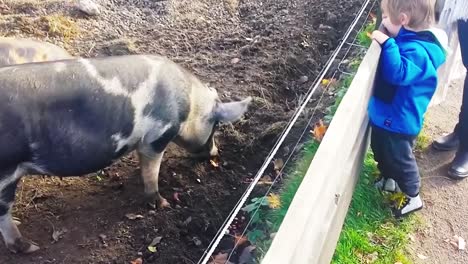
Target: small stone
pixel 134 216
pixel 235 60
pixel 155 241
pixel 151 212
pixel 187 221
pixel 89 7
pixel 331 17
pixel 58 234
pixel 197 241
pixel 303 79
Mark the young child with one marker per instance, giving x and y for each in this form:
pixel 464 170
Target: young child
pixel 406 81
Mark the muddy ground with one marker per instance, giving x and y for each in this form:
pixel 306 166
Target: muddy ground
pixel 243 48
pixel 445 199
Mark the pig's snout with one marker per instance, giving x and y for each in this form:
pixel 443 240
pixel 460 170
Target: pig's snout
pixel 209 152
pixel 214 151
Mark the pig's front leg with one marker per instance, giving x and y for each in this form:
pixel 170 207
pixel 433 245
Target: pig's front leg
pixel 149 165
pixel 14 241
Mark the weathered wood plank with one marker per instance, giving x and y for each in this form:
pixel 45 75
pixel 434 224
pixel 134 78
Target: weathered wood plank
pixel 315 217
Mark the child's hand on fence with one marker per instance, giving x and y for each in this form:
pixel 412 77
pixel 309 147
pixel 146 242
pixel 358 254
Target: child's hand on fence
pixel 379 36
pixel 383 29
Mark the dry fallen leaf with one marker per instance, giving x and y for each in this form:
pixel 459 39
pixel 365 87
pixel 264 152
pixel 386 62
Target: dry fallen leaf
pixel 371 258
pixel 134 216
pixel 137 261
pixel 274 201
pixel 319 130
pixel 278 164
pixel 214 163
pixel 239 240
pixel 152 249
pixel 265 180
pixel 329 82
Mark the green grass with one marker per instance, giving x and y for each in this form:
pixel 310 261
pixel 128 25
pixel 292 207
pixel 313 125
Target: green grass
pixel 363 38
pixel 292 183
pixel 274 217
pixel 296 174
pixel 370 234
pixel 341 91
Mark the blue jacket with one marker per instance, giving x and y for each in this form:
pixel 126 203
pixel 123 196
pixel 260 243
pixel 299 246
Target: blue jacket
pixel 406 81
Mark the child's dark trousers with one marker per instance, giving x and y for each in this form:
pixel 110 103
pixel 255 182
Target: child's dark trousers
pixel 394 154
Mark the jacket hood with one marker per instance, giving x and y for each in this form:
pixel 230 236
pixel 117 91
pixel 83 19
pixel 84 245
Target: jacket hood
pixel 433 40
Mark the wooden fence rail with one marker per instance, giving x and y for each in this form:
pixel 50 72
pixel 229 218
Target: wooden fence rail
pixel 313 223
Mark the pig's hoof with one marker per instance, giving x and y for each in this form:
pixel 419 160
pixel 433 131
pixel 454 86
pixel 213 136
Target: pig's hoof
pixel 163 203
pixel 22 245
pixel 156 200
pixel 16 221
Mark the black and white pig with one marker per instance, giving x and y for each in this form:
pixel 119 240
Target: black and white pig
pixel 74 117
pixel 21 50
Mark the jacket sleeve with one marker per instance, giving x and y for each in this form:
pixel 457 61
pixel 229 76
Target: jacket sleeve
pixel 397 67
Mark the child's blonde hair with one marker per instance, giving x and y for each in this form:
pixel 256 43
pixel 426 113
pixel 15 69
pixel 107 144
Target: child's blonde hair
pixel 420 12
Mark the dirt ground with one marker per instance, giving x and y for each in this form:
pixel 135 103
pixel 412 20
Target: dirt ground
pixel 446 201
pixel 242 47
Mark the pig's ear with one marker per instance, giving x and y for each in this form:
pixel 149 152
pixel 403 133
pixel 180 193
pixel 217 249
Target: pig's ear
pixel 230 112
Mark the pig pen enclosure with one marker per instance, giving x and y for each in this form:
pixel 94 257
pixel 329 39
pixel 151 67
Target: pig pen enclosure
pixel 273 50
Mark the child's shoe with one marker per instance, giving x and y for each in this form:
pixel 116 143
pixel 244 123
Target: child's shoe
pixel 387 184
pixel 405 204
